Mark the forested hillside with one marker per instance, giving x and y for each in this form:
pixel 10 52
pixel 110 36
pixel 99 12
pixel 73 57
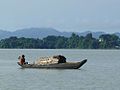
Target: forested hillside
pixel 105 41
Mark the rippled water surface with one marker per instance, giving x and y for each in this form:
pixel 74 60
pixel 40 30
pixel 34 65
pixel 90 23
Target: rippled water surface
pixel 101 72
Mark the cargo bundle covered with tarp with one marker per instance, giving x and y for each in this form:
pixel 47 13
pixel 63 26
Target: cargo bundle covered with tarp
pixel 51 60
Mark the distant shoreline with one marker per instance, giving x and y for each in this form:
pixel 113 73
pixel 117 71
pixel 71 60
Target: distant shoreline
pixel 105 41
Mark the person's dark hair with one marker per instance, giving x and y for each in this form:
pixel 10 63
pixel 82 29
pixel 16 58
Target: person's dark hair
pixel 23 55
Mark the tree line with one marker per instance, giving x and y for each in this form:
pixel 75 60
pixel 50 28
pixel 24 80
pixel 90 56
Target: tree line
pixel 105 41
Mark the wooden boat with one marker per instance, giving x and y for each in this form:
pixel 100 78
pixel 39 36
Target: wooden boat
pixel 66 65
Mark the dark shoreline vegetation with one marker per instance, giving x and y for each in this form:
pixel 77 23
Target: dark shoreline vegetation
pixel 105 41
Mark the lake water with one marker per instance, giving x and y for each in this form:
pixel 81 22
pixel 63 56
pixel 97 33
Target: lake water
pixel 101 72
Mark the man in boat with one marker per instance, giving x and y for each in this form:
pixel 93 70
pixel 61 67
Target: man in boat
pixel 22 59
pixel 61 59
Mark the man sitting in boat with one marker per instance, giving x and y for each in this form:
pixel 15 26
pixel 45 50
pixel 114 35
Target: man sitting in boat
pixel 61 59
pixel 21 59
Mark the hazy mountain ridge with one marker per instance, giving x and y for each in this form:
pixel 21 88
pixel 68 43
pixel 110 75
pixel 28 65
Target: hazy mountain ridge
pixel 44 32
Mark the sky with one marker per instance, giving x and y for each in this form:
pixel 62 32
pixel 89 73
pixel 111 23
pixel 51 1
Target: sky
pixel 63 15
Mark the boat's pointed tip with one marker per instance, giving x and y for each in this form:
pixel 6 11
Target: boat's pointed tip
pixel 85 60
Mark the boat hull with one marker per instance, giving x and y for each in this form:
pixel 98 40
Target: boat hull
pixel 67 65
